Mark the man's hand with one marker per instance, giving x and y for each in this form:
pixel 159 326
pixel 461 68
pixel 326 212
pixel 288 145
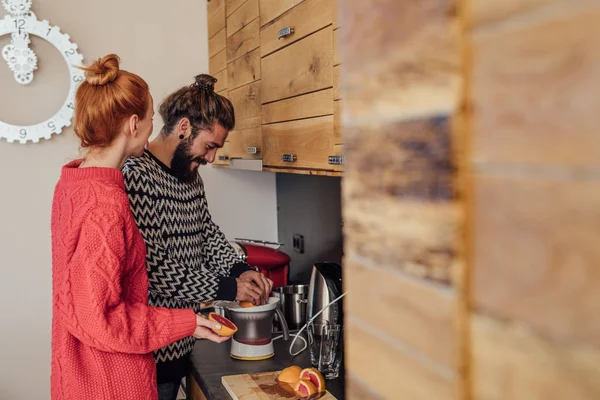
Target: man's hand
pixel 254 287
pixel 204 330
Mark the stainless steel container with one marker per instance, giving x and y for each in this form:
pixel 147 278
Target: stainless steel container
pixel 293 301
pixel 325 286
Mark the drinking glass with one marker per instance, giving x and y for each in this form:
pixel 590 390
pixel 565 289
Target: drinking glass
pixel 325 347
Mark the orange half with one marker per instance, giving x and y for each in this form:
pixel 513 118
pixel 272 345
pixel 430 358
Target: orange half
pixel 228 328
pixel 315 377
pixel 305 388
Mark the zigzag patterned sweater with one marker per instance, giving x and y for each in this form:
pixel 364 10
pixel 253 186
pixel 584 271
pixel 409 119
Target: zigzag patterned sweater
pixel 189 260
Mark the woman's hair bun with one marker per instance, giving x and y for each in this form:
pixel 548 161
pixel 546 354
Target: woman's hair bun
pixel 103 71
pixel 206 82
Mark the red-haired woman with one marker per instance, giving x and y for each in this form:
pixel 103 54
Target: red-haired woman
pixel 103 331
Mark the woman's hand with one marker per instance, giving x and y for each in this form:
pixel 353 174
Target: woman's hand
pixel 204 330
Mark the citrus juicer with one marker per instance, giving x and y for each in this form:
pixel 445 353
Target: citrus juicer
pixel 254 337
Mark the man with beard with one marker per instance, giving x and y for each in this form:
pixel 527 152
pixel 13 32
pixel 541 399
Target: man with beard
pixel 189 260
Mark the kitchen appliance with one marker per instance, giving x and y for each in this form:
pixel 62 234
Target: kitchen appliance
pixel 324 287
pixel 293 299
pixel 254 337
pixel 269 261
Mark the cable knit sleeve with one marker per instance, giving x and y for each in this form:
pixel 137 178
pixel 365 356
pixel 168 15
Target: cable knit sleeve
pixel 98 309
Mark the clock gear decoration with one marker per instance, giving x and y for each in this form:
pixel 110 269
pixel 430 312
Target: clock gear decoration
pixel 20 23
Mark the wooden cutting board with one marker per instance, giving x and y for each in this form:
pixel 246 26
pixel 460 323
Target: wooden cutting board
pixel 263 386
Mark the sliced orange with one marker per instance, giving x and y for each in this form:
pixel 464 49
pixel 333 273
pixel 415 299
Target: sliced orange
pixel 315 377
pixel 305 388
pixel 228 328
pixel 246 304
pixel 290 375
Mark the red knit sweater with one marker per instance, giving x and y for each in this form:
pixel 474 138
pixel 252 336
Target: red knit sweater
pixel 103 331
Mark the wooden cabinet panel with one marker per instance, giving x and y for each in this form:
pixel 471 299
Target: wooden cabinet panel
pixel 221 83
pixel 530 105
pixel 314 104
pixel 424 312
pixel 246 101
pixel 232 5
pixel 337 94
pixel 392 371
pixel 216 43
pixel 271 9
pixel 245 14
pixel 241 140
pixel 511 361
pixel 218 62
pixel 550 226
pixel 305 66
pixel 309 140
pixel 216 16
pixel 336 47
pixel 305 19
pixel 222 158
pixel 243 41
pixel 244 70
pixel 247 123
pixel 337 121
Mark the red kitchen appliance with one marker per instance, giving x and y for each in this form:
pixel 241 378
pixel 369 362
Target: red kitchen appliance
pixel 270 261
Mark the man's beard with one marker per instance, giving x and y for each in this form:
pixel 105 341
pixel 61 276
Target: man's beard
pixel 181 161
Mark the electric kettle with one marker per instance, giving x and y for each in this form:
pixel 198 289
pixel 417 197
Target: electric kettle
pixel 324 287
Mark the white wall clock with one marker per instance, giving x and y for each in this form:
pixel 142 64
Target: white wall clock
pixel 22 61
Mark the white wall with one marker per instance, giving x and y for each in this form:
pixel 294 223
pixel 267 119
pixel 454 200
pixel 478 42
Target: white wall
pixel 166 44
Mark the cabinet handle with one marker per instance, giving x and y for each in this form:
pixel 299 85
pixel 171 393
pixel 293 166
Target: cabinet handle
pixel 223 158
pixel 288 157
pixel 252 150
pixel 336 160
pixel 287 31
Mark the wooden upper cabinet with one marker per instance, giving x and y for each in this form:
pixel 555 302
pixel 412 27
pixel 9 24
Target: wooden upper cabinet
pixel 241 17
pixel 232 5
pixel 246 101
pixel 301 21
pixel 216 16
pixel 246 143
pixel 306 143
pixel 316 104
pixel 243 41
pixel 304 67
pixel 244 70
pixel 271 9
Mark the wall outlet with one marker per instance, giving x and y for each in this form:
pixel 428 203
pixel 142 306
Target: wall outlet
pixel 298 243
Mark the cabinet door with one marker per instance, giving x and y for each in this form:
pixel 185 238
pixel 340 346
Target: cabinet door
pixel 306 143
pixel 216 16
pixel 243 41
pixel 246 143
pixel 246 101
pixel 316 104
pixel 244 70
pixel 271 9
pixel 241 17
pixel 303 20
pixel 303 67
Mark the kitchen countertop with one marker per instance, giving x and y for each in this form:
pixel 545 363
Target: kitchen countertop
pixel 211 361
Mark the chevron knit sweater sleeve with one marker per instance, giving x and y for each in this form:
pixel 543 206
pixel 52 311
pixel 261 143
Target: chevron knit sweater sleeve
pixel 188 258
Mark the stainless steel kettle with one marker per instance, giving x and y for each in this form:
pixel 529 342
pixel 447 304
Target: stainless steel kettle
pixel 324 287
